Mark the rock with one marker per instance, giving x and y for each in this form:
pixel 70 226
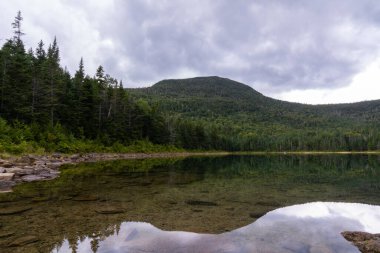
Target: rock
pixel 40 199
pixel 57 155
pixel 366 242
pixel 66 198
pixel 47 175
pixel 26 159
pixel 40 164
pixel 41 170
pixel 6 186
pixel 257 214
pixel 6 234
pixel 200 203
pixel 86 198
pixel 110 210
pixel 31 178
pixel 54 165
pixel 268 203
pixel 75 157
pixel 21 241
pixel 28 167
pixel 2 170
pixel 7 165
pixel 6 176
pixel 14 210
pixel 20 171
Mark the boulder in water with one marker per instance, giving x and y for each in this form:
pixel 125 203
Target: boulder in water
pixel 366 242
pixel 21 241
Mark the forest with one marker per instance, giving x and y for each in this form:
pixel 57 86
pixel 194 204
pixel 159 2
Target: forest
pixel 43 108
pixel 245 120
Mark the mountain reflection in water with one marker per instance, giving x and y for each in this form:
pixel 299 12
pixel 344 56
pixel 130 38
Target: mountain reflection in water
pixel 312 227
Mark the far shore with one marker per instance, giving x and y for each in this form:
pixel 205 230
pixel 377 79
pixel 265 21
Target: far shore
pixel 144 155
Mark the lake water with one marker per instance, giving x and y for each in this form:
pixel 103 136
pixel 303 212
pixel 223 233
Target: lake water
pixel 218 202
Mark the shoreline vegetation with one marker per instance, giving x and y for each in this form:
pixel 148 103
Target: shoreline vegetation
pixel 173 152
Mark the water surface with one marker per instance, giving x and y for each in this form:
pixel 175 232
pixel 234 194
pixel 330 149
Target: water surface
pixel 203 195
pixel 310 228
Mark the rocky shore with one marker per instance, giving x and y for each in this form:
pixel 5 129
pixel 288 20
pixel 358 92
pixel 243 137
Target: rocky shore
pixel 366 242
pixel 29 168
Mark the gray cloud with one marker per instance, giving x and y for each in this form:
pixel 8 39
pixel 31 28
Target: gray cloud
pixel 272 45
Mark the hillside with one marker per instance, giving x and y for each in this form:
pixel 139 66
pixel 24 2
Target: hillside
pixel 220 97
pixel 236 109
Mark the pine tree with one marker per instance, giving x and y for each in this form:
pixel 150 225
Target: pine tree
pixel 77 92
pixel 39 73
pixel 101 95
pixel 17 28
pixel 54 86
pixel 16 86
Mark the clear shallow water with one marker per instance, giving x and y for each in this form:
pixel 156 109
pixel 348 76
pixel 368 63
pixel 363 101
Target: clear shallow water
pixel 212 195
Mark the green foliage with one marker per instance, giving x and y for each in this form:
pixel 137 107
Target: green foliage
pixel 219 113
pixel 48 109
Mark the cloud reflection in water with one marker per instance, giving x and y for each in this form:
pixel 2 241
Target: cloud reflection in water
pixel 312 227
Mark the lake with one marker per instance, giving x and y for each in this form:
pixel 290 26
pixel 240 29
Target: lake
pixel 215 200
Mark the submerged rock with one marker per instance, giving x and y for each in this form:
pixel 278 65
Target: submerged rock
pixel 200 203
pixel 366 242
pixel 6 186
pixel 6 234
pixel 40 199
pixel 86 198
pixel 268 203
pixel 14 210
pixel 257 214
pixel 110 210
pixel 23 241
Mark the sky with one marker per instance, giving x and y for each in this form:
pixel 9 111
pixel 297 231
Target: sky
pixel 315 52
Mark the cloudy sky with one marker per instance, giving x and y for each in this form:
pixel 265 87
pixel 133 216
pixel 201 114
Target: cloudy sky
pixel 306 51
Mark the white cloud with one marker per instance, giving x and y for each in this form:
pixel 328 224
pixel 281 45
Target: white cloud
pixel 364 86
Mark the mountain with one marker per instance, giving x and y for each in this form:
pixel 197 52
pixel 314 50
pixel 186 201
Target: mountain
pixel 238 111
pixel 221 97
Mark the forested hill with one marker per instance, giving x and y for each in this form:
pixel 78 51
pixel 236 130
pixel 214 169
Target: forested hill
pixel 205 87
pixel 216 96
pixel 246 116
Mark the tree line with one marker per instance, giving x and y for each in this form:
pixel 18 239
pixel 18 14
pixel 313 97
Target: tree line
pixel 37 92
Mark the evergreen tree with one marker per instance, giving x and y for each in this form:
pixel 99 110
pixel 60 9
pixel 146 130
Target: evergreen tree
pixel 17 28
